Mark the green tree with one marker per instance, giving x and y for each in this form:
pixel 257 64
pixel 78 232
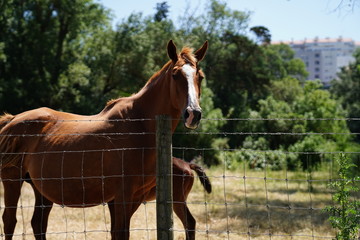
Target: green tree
pixel 283 63
pixel 43 44
pixel 162 11
pixel 298 116
pixel 262 33
pixel 317 103
pixel 347 90
pixel 138 52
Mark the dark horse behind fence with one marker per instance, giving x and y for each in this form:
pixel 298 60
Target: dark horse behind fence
pixel 183 180
pixel 83 161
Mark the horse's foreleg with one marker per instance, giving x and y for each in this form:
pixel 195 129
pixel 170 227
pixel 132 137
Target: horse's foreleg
pixel 189 222
pixel 40 217
pixel 12 181
pixel 121 229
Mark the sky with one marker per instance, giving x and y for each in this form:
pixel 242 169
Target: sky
pixel 286 19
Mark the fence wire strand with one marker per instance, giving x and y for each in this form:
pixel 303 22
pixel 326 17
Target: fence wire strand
pixel 247 203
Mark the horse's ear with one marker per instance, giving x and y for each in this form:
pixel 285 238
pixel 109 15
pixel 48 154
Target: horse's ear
pixel 200 53
pixel 171 48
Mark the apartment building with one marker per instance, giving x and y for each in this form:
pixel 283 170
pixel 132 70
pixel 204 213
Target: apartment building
pixel 324 57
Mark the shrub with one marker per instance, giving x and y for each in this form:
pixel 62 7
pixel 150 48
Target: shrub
pixel 345 215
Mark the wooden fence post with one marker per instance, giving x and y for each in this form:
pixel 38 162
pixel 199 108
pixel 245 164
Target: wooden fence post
pixel 164 191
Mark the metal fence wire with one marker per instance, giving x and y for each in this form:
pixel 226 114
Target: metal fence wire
pixel 257 193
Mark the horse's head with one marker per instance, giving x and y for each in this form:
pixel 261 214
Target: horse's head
pixel 186 82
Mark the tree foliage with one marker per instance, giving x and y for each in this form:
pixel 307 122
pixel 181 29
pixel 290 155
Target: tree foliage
pixel 344 215
pixel 298 110
pixel 347 90
pixel 44 45
pixel 162 11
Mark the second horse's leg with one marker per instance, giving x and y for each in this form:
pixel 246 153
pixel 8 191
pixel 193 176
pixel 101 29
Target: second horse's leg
pixel 40 217
pixel 112 218
pixel 187 219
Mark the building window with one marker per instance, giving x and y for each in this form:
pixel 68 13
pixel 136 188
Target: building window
pixel 317 62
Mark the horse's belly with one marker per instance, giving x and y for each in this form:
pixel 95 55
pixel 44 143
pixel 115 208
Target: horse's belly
pixel 76 192
pixel 73 182
pixel 84 179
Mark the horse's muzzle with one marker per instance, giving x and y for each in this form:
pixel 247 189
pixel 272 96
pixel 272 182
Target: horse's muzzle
pixel 192 117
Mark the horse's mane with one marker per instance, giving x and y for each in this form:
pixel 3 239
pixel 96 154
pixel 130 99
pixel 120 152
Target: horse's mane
pixel 157 74
pixel 186 55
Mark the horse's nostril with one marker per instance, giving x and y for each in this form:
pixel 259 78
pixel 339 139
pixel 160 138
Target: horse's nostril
pixel 192 117
pixel 197 115
pixel 186 114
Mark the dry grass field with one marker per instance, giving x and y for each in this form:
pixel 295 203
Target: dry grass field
pixel 261 205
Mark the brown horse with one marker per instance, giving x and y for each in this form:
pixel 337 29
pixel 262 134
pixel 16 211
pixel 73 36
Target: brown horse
pixel 83 161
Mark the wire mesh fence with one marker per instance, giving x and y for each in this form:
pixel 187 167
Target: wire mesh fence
pixel 257 193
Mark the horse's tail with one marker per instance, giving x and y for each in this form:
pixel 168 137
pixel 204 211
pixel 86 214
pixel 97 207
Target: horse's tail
pixel 202 176
pixel 7 143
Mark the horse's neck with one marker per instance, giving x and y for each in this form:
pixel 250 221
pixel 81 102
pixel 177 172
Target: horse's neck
pixel 152 100
pixel 155 99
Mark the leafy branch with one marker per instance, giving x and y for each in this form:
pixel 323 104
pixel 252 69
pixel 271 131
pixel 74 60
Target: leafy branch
pixel 345 215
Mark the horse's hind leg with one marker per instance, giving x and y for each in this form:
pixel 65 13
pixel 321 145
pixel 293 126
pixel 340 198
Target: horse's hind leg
pixel 187 219
pixel 12 181
pixel 40 217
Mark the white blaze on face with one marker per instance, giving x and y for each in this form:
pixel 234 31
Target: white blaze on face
pixel 192 96
pixel 193 102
